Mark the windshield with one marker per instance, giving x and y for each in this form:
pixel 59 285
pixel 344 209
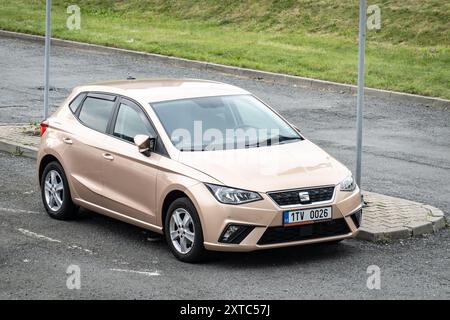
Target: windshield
pixel 222 122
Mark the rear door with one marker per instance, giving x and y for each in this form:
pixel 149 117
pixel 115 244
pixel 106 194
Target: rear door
pixel 130 177
pixel 87 146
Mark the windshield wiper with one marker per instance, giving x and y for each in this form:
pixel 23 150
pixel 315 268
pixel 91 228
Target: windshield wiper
pixel 279 138
pixel 282 139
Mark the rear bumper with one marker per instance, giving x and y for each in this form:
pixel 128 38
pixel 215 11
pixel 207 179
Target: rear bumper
pixel 265 221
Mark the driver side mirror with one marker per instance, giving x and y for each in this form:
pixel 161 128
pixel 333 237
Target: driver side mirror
pixel 145 144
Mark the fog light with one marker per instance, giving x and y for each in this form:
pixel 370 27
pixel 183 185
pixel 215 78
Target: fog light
pixel 235 233
pixel 357 217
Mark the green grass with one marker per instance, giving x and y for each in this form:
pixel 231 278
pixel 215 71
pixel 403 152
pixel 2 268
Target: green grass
pixel 311 38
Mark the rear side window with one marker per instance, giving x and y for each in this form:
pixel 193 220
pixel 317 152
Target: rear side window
pixel 95 113
pixel 76 102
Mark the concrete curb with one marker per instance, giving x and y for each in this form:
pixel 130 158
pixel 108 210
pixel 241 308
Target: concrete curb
pixel 243 72
pixel 18 149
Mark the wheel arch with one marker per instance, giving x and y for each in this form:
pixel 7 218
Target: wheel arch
pixel 168 199
pixel 44 162
pixel 176 193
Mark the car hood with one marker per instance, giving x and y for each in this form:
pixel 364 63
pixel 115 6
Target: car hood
pixel 286 166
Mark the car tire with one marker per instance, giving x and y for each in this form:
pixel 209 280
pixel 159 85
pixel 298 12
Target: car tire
pixel 55 193
pixel 179 227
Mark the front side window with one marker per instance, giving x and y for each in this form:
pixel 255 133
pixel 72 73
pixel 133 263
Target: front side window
pixel 130 122
pixel 222 122
pixel 95 113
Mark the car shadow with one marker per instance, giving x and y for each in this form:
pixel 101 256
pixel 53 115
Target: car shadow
pixel 304 254
pixel 128 231
pixel 257 259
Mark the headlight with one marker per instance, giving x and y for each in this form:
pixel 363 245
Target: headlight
pixel 348 184
pixel 232 196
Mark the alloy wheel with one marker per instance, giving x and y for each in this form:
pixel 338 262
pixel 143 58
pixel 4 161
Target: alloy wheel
pixel 54 190
pixel 182 232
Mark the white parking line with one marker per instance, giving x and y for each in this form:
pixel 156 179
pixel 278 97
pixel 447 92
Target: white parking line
pixel 18 210
pixel 37 236
pixel 42 237
pixel 145 273
pixel 74 246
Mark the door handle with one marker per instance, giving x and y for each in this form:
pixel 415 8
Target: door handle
pixel 67 140
pixel 108 156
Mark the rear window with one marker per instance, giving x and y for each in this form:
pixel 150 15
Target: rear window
pixel 95 113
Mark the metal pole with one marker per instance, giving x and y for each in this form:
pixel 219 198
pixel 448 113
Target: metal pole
pixel 48 11
pixel 360 100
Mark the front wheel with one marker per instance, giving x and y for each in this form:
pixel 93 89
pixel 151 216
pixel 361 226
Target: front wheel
pixel 183 231
pixel 56 194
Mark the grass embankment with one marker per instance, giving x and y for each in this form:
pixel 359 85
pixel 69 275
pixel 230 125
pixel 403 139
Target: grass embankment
pixel 311 38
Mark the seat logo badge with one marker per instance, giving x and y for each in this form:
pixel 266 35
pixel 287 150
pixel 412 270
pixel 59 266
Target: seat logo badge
pixel 304 196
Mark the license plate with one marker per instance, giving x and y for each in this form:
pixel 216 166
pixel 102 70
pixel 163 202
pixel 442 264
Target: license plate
pixel 304 216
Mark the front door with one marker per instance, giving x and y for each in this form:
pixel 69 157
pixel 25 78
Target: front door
pixel 130 177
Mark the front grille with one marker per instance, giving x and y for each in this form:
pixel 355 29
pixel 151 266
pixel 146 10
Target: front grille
pixel 291 197
pixel 316 230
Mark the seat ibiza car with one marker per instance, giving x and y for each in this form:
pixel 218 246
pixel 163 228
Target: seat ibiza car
pixel 207 164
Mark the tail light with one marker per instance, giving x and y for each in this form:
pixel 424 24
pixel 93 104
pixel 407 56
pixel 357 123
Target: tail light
pixel 44 126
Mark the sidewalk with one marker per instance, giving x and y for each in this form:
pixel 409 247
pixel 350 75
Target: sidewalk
pixel 17 139
pixel 385 218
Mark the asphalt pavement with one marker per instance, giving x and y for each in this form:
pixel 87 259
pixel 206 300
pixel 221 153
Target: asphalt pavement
pixel 406 154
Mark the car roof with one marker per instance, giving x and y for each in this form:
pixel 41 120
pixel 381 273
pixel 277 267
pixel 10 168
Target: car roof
pixel 155 90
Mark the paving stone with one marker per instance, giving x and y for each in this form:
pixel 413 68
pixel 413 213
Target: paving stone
pixel 387 217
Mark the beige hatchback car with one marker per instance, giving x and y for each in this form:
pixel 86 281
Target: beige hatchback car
pixel 207 164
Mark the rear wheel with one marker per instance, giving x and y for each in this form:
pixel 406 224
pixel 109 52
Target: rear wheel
pixel 183 231
pixel 56 194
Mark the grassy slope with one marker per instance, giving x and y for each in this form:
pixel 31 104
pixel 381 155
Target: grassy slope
pixel 312 38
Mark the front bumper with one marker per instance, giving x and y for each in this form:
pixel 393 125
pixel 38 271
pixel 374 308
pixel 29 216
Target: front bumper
pixel 265 219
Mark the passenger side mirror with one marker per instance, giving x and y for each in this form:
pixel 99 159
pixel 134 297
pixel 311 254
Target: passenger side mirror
pixel 145 144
